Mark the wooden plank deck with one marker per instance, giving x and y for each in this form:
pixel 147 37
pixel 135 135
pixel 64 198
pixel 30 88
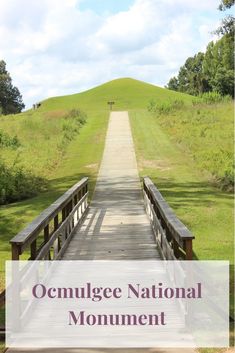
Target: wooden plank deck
pixel 116 226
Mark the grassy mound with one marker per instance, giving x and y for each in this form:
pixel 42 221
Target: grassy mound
pixel 128 94
pixel 180 148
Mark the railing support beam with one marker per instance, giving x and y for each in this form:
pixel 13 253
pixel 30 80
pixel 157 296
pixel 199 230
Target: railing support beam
pixel 48 223
pixel 175 240
pixel 15 252
pixel 189 249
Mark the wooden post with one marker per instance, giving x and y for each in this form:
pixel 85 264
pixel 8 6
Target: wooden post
pixel 16 297
pixel 56 222
pixel 33 250
pixel 46 238
pixel 189 249
pixel 175 248
pixel 63 213
pixel 56 225
pixel 15 251
pixel 46 233
pixel 110 103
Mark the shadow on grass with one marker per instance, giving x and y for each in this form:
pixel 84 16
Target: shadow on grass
pixel 188 194
pixel 14 217
pixel 181 196
pixel 194 199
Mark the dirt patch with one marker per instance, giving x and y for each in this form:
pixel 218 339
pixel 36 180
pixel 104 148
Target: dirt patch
pixel 154 164
pixel 93 166
pixel 98 138
pixel 2 284
pixel 55 114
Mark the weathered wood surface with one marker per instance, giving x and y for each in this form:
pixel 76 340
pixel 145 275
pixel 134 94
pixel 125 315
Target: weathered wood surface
pixel 48 235
pixel 173 237
pixel 116 226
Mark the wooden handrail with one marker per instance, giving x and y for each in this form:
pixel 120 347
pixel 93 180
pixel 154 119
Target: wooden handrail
pixel 73 202
pixel 173 237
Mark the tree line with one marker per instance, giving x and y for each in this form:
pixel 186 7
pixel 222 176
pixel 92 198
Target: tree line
pixel 214 69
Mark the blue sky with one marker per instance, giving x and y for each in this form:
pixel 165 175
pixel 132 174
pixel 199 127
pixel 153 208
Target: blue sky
pixel 105 6
pixel 58 47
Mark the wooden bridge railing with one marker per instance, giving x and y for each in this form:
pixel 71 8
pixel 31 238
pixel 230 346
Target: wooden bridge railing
pixel 173 237
pixel 48 235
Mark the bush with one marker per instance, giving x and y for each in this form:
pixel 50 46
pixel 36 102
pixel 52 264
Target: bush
pixel 8 141
pixel 205 132
pixel 78 115
pixel 152 106
pixel 213 97
pixel 71 125
pixel 227 181
pixel 17 184
pixel 165 107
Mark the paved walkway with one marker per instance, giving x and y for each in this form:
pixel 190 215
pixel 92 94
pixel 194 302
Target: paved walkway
pixel 117 226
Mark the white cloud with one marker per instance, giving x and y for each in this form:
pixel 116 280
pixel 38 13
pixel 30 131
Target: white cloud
pixel 132 29
pixel 52 47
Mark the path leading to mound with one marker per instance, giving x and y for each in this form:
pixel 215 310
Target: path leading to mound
pixel 117 226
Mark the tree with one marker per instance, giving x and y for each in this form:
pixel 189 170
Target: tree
pixel 197 81
pixel 212 71
pixel 223 82
pixel 191 78
pixel 10 98
pixel 226 4
pixel 218 65
pixel 227 25
pixel 173 84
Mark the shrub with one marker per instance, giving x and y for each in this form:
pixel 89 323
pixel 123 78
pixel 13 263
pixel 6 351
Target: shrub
pixel 205 132
pixel 213 97
pixel 77 115
pixel 71 125
pixel 227 181
pixel 8 141
pixel 165 107
pixel 177 104
pixel 152 106
pixel 17 184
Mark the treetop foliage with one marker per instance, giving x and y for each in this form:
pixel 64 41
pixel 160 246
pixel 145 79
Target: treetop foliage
pixel 227 25
pixel 10 98
pixel 226 4
pixel 212 71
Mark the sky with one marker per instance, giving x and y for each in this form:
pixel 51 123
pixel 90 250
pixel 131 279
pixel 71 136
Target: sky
pixel 60 47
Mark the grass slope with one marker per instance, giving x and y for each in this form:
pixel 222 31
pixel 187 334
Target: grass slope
pixel 81 158
pixel 205 209
pixel 128 94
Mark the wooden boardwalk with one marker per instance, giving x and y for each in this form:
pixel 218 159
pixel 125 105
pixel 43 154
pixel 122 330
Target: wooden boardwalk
pixel 116 226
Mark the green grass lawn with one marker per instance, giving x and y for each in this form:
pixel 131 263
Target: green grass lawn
pixel 205 209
